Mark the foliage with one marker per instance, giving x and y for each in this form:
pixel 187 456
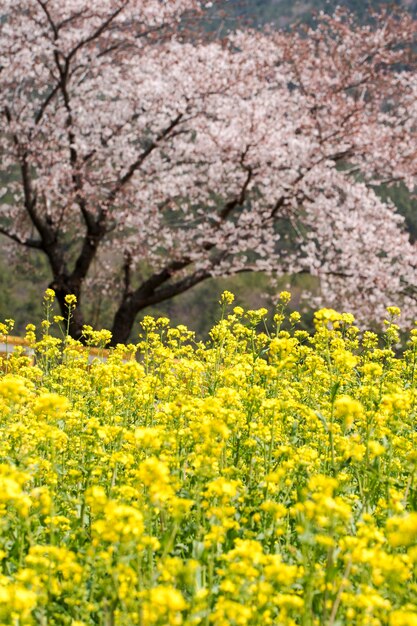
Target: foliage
pixel 265 477
pixel 141 157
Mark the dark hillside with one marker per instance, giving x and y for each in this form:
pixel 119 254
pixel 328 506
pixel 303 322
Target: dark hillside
pixel 283 12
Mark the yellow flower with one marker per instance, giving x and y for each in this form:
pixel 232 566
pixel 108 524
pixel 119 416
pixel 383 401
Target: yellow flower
pixel 403 618
pixel 49 295
pixel 70 300
pixel 210 480
pixel 16 601
pixel 226 298
pixel 284 297
pixel 402 531
pixel 295 317
pixel 348 410
pixel 50 404
pixel 394 311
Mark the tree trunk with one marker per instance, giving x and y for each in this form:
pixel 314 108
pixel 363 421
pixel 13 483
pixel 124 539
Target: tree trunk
pixel 123 321
pixel 149 294
pixel 77 317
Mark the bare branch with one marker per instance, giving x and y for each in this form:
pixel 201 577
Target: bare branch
pixel 28 243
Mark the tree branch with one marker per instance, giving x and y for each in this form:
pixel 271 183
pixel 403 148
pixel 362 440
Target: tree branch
pixel 28 243
pixel 49 18
pixel 47 233
pixel 141 158
pixel 232 204
pixel 127 275
pixel 148 289
pixel 148 286
pixel 121 44
pixel 44 105
pixel 178 287
pixel 97 32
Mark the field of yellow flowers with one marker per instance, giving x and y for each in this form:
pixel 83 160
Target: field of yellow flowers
pixel 264 477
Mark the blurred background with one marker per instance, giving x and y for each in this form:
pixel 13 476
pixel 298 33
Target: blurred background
pixel 24 277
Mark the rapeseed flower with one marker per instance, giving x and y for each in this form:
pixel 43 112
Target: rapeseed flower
pixel 266 476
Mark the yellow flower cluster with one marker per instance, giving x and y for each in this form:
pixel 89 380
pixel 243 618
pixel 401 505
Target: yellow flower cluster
pixel 259 478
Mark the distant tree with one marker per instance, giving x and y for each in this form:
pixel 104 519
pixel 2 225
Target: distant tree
pixel 141 161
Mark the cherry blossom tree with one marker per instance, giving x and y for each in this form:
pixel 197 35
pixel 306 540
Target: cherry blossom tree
pixel 141 161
